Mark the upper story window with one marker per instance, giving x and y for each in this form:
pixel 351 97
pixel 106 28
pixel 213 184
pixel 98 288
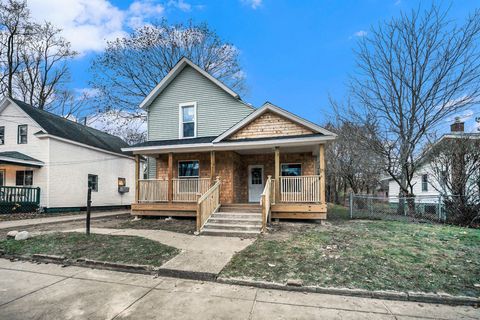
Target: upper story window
pixel 291 169
pixel 24 178
pixel 22 134
pixel 2 135
pixel 188 120
pixel 425 182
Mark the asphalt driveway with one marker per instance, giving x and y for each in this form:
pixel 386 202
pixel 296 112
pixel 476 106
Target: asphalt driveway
pixel 48 291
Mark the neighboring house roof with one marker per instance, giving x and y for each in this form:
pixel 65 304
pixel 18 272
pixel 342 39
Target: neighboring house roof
pixel 19 158
pixel 184 62
pixel 269 107
pixel 63 128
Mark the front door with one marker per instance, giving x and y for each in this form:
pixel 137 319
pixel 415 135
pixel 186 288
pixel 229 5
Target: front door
pixel 255 182
pixel 2 177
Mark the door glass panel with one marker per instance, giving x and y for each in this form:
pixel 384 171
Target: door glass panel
pixel 256 176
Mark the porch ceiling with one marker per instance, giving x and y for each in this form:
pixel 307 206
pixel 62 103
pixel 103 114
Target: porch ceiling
pixel 17 158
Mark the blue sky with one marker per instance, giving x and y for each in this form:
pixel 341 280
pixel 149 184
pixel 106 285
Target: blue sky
pixel 294 53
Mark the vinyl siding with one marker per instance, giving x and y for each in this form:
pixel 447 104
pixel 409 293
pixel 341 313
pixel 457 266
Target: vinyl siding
pixel 217 111
pixel 11 117
pixel 151 168
pixel 63 178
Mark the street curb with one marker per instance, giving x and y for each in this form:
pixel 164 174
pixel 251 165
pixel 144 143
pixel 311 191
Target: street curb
pixel 442 298
pixel 384 295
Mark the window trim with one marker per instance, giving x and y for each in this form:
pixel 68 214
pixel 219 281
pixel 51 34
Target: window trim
pixel 88 177
pixel 26 133
pixel 23 183
pixel 180 119
pixel 425 183
pixel 186 177
pixel 289 163
pixel 2 140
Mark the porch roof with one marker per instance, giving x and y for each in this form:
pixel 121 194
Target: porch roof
pixel 15 157
pixel 208 143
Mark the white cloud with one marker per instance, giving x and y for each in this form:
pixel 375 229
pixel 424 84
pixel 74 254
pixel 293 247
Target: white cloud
pixel 180 4
pixel 88 24
pixel 254 4
pixel 360 33
pixel 139 11
pixel 398 2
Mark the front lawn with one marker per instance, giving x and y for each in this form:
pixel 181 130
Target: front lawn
pixel 374 255
pixel 121 249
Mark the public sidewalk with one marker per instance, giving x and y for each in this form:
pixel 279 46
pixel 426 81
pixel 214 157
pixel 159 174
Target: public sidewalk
pixel 205 254
pixel 49 291
pixel 60 218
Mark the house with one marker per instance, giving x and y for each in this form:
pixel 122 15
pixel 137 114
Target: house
pixel 49 161
pixel 216 158
pixel 426 185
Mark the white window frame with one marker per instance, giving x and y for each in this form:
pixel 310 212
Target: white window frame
pixel 186 177
pixel 180 119
pixel 424 183
pixel 289 163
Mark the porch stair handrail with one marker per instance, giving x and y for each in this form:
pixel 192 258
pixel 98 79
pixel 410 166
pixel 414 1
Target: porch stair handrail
pixel 207 204
pixel 266 202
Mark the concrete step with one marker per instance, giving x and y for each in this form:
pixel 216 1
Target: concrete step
pixel 237 215
pixel 228 233
pixel 233 227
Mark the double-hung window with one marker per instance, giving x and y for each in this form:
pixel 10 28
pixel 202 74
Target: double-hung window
pixel 425 182
pixel 93 182
pixel 291 169
pixel 22 134
pixel 24 178
pixel 188 120
pixel 2 135
pixel 188 172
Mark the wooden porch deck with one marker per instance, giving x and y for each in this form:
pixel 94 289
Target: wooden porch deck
pixel 279 211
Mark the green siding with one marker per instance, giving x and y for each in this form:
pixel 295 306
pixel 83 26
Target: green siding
pixel 217 111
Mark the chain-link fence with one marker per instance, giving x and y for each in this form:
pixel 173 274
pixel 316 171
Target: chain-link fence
pixel 419 208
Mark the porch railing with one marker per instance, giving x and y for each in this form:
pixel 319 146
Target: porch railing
pixel 300 189
pixel 20 195
pixel 186 189
pixel 153 190
pixel 207 204
pixel 266 202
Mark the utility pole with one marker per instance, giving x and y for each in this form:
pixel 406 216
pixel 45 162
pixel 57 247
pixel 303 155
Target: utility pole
pixel 89 203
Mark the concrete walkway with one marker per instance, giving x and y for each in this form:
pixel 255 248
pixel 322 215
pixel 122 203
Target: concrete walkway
pixel 60 218
pixel 206 254
pixel 40 291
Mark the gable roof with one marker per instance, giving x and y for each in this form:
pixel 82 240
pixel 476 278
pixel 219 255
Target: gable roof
pixel 269 107
pixel 70 130
pixel 181 64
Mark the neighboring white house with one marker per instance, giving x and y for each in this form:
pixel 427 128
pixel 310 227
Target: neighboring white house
pixel 425 185
pixel 62 158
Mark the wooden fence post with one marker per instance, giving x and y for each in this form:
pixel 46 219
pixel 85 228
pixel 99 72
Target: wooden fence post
pixel 89 202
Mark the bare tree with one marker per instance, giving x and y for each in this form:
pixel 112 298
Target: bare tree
pixel 133 65
pixel 413 72
pixel 455 165
pixel 44 71
pixel 14 29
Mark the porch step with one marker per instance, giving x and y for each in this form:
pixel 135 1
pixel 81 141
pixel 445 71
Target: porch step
pixel 253 208
pixel 228 233
pixel 237 215
pixel 235 220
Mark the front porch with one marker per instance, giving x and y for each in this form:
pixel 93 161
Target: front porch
pixel 286 183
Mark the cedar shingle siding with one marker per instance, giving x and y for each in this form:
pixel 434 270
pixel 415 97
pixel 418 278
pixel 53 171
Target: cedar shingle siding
pixel 270 125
